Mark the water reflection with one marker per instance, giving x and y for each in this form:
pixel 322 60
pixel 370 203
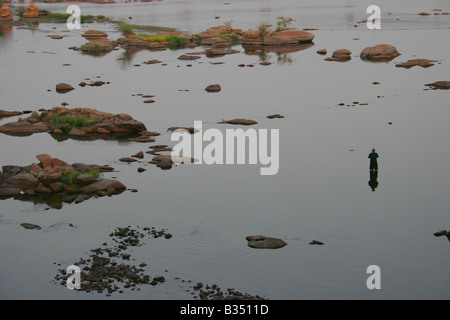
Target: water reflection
pixel 5 34
pixel 373 182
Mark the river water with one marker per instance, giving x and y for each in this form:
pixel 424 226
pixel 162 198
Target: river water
pixel 321 191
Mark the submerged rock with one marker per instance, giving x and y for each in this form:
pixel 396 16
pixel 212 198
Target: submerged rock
pixel 5 114
pixel 445 85
pixel 263 242
pixel 244 122
pixel 30 226
pixel 424 63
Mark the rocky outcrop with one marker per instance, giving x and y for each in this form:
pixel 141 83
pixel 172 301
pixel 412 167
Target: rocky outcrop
pixel 99 46
pixel 6 13
pixel 424 63
pixel 263 242
pixel 277 38
pixel 32 11
pixel 88 122
pixel 380 52
pixel 55 180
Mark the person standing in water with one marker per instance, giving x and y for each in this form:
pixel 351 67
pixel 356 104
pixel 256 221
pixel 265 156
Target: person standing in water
pixel 373 156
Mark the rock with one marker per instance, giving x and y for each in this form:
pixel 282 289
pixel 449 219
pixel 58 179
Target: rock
pixel 213 88
pixel 112 186
pixel 440 233
pixel 380 52
pixel 263 242
pixel 143 139
pixel 174 159
pixel 188 57
pixel 84 180
pixel 164 165
pixel 439 85
pixel 322 51
pixel 99 46
pixel 30 226
pixel 275 116
pixel 191 130
pixel 424 63
pixel 219 52
pixel 278 38
pixel 127 159
pixel 57 187
pixel 22 181
pixel 6 13
pixel 23 128
pixel 149 101
pixel 63 87
pixel 9 192
pixel 244 122
pixel 81 198
pixel 77 132
pixel 32 11
pixel 265 63
pixel 340 55
pixel 154 61
pixel 51 176
pixel 5 114
pixel 141 170
pixel 45 160
pixel 42 189
pixel 139 155
pixel 64 166
pixel 315 242
pixel 94 34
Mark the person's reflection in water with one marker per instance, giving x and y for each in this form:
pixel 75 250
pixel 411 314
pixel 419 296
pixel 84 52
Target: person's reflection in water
pixel 373 182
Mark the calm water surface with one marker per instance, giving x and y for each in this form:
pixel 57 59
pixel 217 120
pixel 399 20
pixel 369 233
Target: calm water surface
pixel 321 191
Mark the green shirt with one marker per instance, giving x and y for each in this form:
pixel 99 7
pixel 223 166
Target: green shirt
pixel 373 157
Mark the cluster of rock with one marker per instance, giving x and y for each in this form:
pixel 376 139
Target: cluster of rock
pixel 284 41
pixel 45 179
pixel 103 124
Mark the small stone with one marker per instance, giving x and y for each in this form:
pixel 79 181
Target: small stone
pixel 213 88
pixel 30 226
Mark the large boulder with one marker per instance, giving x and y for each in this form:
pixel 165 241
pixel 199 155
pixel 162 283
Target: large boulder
pixel 23 181
pixel 6 13
pixel 380 52
pixel 32 11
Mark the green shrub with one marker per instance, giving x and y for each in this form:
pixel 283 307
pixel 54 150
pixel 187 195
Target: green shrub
pixel 124 27
pixel 68 178
pixel 100 17
pixel 77 122
pixel 283 23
